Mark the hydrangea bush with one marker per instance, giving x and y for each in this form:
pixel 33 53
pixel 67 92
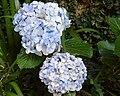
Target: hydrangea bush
pixel 41 25
pixel 63 73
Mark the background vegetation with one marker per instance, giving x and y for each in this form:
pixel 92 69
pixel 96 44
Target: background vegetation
pixel 96 32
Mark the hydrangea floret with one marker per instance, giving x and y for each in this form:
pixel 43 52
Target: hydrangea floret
pixel 41 25
pixel 63 73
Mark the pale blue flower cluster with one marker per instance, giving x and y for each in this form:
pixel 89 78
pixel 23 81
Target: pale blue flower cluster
pixel 63 73
pixel 41 25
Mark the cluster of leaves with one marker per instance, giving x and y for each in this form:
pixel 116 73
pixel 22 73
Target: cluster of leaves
pixel 94 15
pixel 110 54
pixel 8 47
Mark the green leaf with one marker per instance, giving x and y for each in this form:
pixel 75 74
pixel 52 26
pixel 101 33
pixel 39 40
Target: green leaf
pixel 2 37
pixel 106 49
pixel 3 50
pixel 117 46
pixel 74 47
pixel 74 34
pixel 12 7
pixel 91 81
pixel 70 94
pixel 28 60
pixel 115 25
pixel 9 31
pixel 63 42
pixel 87 29
pixel 8 93
pixel 16 88
pixel 106 45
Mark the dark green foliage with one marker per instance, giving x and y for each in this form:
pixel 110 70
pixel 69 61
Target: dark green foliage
pixel 97 86
pixel 76 48
pixel 28 61
pixel 110 54
pixel 114 25
pixel 94 16
pixel 117 46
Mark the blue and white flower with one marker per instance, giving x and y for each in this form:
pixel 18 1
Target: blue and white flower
pixel 63 73
pixel 41 25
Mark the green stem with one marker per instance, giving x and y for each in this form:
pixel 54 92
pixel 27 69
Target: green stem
pixel 99 73
pixel 12 7
pixel 9 32
pixel 63 42
pixel 11 67
pixel 2 37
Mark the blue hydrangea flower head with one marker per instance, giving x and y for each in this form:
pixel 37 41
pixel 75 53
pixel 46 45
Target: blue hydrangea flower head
pixel 63 73
pixel 41 25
